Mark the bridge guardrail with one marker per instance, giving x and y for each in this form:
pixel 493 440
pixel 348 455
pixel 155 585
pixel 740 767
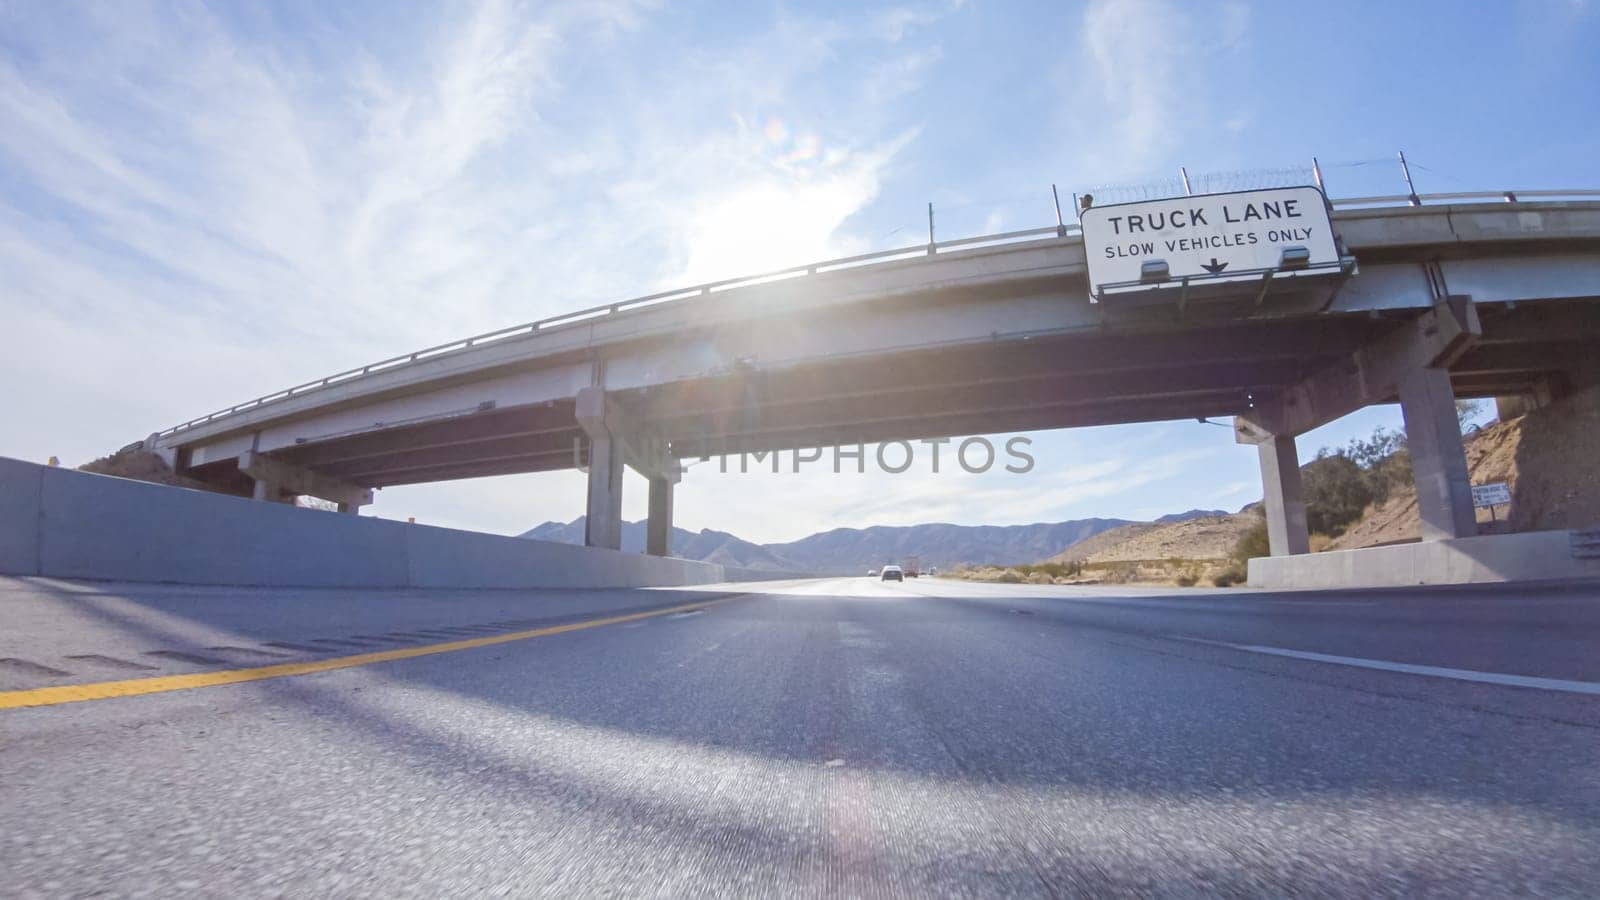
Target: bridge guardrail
pixel 929 249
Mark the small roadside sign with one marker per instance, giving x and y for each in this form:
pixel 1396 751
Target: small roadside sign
pixel 1490 494
pixel 1239 236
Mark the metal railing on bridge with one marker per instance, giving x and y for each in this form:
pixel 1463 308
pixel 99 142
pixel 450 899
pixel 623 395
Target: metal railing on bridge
pixel 1060 230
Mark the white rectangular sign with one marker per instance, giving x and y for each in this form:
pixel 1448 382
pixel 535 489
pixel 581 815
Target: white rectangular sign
pixel 1490 494
pixel 1217 237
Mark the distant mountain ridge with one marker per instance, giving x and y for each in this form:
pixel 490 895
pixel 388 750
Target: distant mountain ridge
pixel 707 545
pixel 851 550
pixel 938 544
pixel 1191 514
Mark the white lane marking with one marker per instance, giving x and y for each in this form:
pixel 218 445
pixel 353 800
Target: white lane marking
pixel 1527 681
pixel 1318 603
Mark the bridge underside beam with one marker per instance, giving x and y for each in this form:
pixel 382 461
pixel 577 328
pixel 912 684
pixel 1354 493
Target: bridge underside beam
pixel 555 445
pixel 275 479
pixel 1159 370
pixel 1370 375
pixel 968 421
pixel 521 464
pixel 779 400
pixel 542 419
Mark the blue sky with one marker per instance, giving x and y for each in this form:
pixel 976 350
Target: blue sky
pixel 204 203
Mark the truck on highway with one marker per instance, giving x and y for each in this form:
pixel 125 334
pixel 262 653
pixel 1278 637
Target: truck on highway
pixel 912 566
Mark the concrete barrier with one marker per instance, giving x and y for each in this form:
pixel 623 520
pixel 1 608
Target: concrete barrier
pixel 1529 556
pixel 68 524
pixel 19 515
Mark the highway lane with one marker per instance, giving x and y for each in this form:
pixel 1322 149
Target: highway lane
pixel 837 737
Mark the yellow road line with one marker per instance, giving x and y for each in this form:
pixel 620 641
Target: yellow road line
pixel 133 687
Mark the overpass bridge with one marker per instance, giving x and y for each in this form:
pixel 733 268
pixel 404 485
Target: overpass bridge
pixel 1462 295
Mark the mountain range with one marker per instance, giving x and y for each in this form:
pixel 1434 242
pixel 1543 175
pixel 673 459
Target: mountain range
pixel 706 545
pixel 852 550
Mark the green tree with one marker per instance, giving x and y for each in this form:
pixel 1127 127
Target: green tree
pixel 1383 459
pixel 1372 452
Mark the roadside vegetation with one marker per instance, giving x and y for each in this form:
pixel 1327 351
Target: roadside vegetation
pixel 1341 486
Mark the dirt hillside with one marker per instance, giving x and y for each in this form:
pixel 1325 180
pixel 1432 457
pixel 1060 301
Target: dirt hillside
pixel 1204 538
pixel 141 466
pixel 1547 457
pixel 1105 541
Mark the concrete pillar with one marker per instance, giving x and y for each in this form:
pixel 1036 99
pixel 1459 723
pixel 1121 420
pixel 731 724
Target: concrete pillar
pixel 1285 505
pixel 603 525
pixel 169 455
pixel 658 538
pixel 1438 460
pixel 1540 395
pixel 1508 408
pixel 267 490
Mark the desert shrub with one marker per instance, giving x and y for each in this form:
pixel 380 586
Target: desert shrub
pixel 1335 491
pixel 1009 577
pixel 1389 473
pixel 1228 577
pixel 1187 579
pixel 1120 572
pixel 1252 543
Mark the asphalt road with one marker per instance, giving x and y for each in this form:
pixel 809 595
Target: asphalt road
pixel 822 738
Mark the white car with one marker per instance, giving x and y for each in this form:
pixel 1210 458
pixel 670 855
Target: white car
pixel 893 573
pixel 872 573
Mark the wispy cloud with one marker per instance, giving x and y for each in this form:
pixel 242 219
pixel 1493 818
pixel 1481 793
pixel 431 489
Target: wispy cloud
pixel 1131 90
pixel 223 203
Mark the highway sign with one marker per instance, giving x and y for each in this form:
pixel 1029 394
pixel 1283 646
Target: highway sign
pixel 1210 238
pixel 1490 494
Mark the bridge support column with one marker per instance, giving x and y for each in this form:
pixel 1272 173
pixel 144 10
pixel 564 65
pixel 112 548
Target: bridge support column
pixel 168 455
pixel 618 437
pixel 268 491
pixel 1410 362
pixel 1540 395
pixel 1281 495
pixel 658 537
pixel 1438 459
pixel 1508 408
pixel 603 516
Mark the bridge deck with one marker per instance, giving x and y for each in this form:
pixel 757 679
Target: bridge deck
pixel 985 335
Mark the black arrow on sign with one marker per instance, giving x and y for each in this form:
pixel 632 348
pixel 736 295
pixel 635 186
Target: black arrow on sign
pixel 1215 266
